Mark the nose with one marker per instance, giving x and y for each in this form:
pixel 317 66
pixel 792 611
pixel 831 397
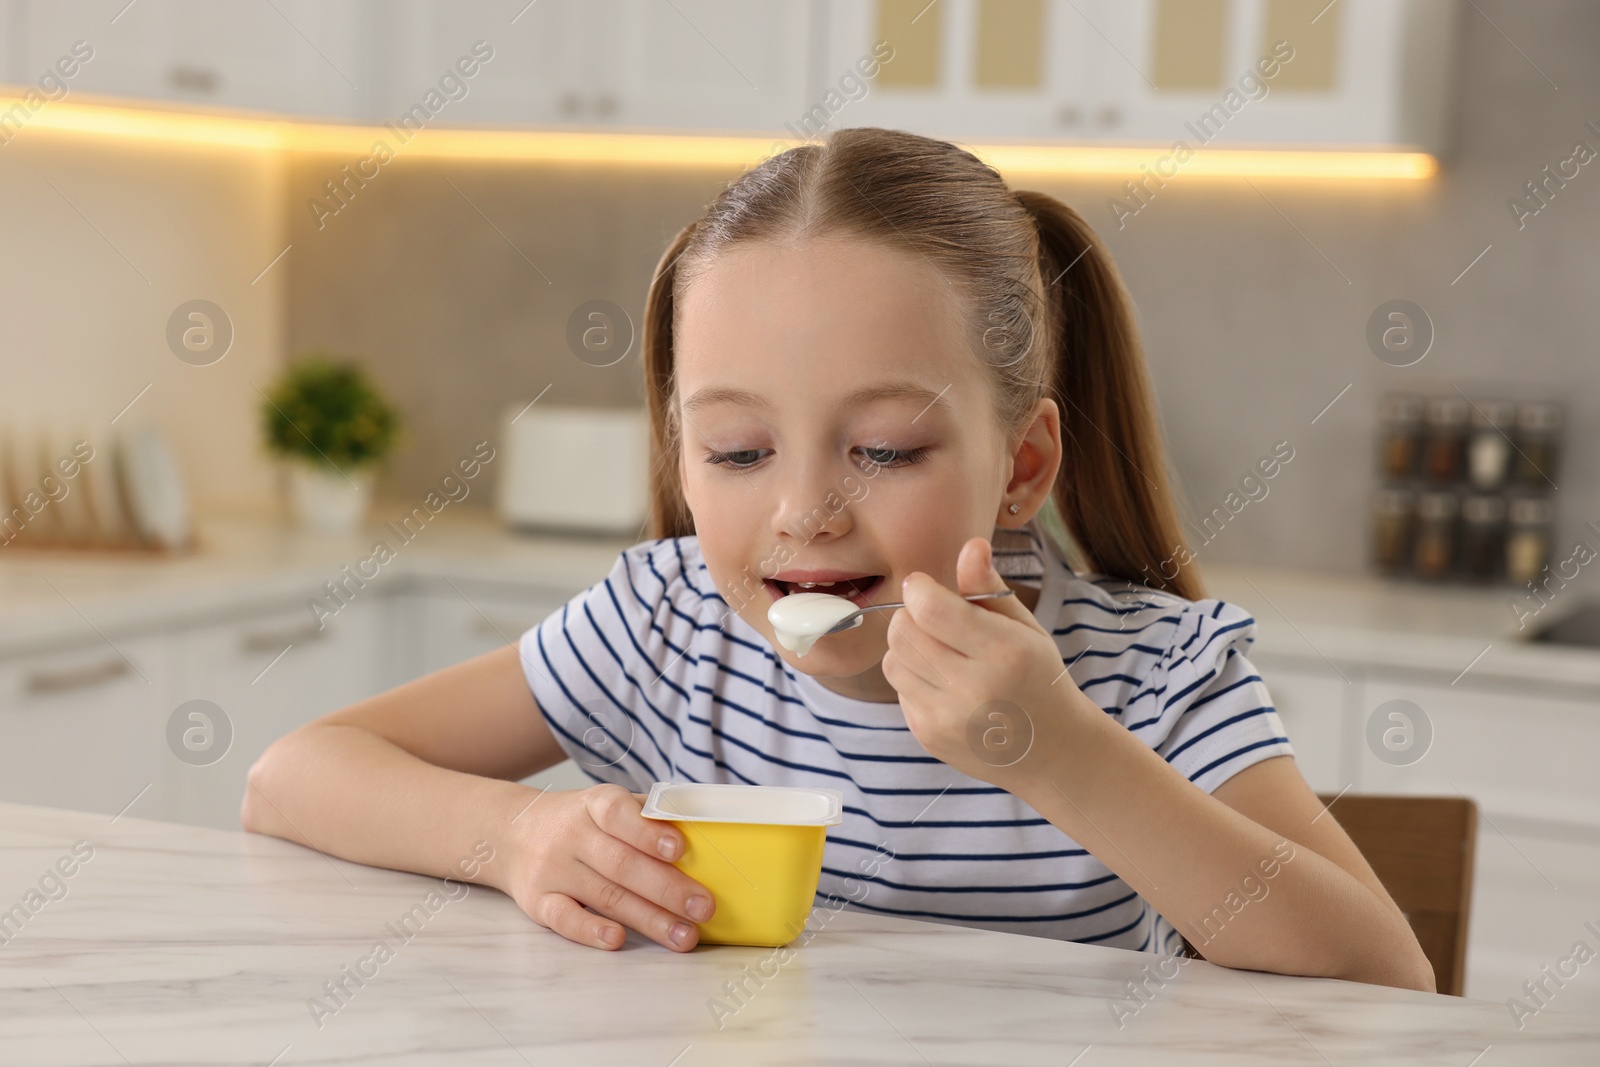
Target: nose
pixel 812 501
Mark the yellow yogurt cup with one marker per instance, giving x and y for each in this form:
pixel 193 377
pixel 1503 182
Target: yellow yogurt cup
pixel 757 848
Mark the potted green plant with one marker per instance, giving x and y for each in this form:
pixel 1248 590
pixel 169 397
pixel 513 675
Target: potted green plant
pixel 329 421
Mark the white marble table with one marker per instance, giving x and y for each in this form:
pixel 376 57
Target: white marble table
pixel 174 944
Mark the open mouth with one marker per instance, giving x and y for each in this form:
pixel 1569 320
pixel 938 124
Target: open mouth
pixel 858 591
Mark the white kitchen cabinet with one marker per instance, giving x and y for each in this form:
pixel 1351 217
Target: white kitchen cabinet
pixel 13 35
pixel 1533 892
pixel 935 83
pixel 1367 73
pixel 302 57
pixel 269 673
pixel 537 72
pixel 1371 73
pixel 1513 752
pixel 85 727
pixel 653 64
pixel 1524 758
pixel 738 65
pixel 443 623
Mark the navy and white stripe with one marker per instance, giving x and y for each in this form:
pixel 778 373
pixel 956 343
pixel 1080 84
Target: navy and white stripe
pixel 648 676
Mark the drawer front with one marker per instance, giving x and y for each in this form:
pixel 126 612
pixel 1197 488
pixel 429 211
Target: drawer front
pixel 1532 896
pixel 86 729
pixel 1528 756
pixel 268 674
pixel 443 626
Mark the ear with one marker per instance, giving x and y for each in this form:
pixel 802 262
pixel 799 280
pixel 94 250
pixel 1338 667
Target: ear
pixel 1034 463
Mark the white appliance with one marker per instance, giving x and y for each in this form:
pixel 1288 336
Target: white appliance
pixel 574 469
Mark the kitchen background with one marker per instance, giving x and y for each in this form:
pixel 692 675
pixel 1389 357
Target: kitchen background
pixel 453 276
pixel 1243 316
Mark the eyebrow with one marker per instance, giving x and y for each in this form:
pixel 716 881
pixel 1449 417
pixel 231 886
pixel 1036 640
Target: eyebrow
pixel 886 391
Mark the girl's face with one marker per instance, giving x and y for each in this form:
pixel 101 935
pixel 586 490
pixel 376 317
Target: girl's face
pixel 834 420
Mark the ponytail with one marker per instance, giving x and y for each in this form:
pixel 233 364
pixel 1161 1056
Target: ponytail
pixel 669 511
pixel 1111 491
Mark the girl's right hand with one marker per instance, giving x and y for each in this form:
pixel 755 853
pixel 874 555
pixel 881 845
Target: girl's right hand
pixel 592 847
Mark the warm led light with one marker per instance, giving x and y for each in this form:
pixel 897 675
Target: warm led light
pixel 1126 161
pixel 226 130
pixel 144 124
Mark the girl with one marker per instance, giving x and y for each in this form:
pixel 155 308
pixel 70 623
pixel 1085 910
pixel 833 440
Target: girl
pixel 872 364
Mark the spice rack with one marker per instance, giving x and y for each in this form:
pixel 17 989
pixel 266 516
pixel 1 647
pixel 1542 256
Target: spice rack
pixel 1465 488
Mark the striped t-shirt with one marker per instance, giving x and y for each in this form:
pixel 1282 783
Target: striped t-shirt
pixel 650 676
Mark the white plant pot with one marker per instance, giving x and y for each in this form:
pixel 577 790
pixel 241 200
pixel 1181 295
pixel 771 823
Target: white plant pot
pixel 326 501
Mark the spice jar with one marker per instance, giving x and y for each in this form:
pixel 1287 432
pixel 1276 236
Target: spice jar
pixel 1444 439
pixel 1434 549
pixel 1392 513
pixel 1538 426
pixel 1489 443
pixel 1528 538
pixel 1483 533
pixel 1400 440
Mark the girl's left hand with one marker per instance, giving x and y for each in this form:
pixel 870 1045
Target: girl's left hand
pixel 981 683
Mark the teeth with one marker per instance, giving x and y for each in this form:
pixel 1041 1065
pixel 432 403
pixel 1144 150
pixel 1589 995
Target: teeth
pixel 813 585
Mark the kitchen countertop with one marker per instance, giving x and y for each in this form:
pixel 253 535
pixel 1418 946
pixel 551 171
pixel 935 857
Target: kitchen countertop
pixel 1362 621
pixel 180 944
pixel 238 562
pixel 51 598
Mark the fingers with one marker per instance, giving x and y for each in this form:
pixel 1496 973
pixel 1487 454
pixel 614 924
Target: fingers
pixel 975 571
pixel 974 630
pixel 610 877
pixel 626 854
pixel 912 649
pixel 571 920
pixel 615 901
pixel 910 685
pixel 616 811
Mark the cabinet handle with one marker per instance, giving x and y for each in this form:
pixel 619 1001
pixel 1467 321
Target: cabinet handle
pixel 76 677
pixel 193 79
pixel 605 106
pixel 274 640
pixel 571 105
pixel 1068 115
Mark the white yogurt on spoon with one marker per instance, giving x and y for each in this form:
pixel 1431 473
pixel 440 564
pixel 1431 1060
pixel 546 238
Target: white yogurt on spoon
pixel 800 618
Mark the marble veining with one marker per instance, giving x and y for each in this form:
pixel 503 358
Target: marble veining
pixel 176 944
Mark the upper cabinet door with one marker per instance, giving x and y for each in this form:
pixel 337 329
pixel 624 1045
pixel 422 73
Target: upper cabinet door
pixel 1352 73
pixel 972 70
pixel 736 65
pixel 649 64
pixel 296 56
pixel 503 64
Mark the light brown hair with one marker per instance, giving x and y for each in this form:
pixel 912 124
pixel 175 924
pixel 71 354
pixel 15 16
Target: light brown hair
pixel 1047 313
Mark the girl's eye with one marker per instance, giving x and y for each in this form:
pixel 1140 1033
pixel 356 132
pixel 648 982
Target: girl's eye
pixel 873 457
pixel 748 457
pixel 893 457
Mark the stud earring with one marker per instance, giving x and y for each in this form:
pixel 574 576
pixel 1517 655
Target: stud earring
pixel 1014 508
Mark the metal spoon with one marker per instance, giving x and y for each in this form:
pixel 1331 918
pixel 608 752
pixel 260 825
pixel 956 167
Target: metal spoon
pixel 855 618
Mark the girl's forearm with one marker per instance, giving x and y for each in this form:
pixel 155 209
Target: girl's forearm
pixel 346 791
pixel 1240 894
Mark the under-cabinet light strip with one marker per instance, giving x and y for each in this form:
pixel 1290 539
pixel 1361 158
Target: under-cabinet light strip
pixel 155 125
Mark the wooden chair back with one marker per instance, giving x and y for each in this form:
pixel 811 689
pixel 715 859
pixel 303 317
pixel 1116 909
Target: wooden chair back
pixel 1421 849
